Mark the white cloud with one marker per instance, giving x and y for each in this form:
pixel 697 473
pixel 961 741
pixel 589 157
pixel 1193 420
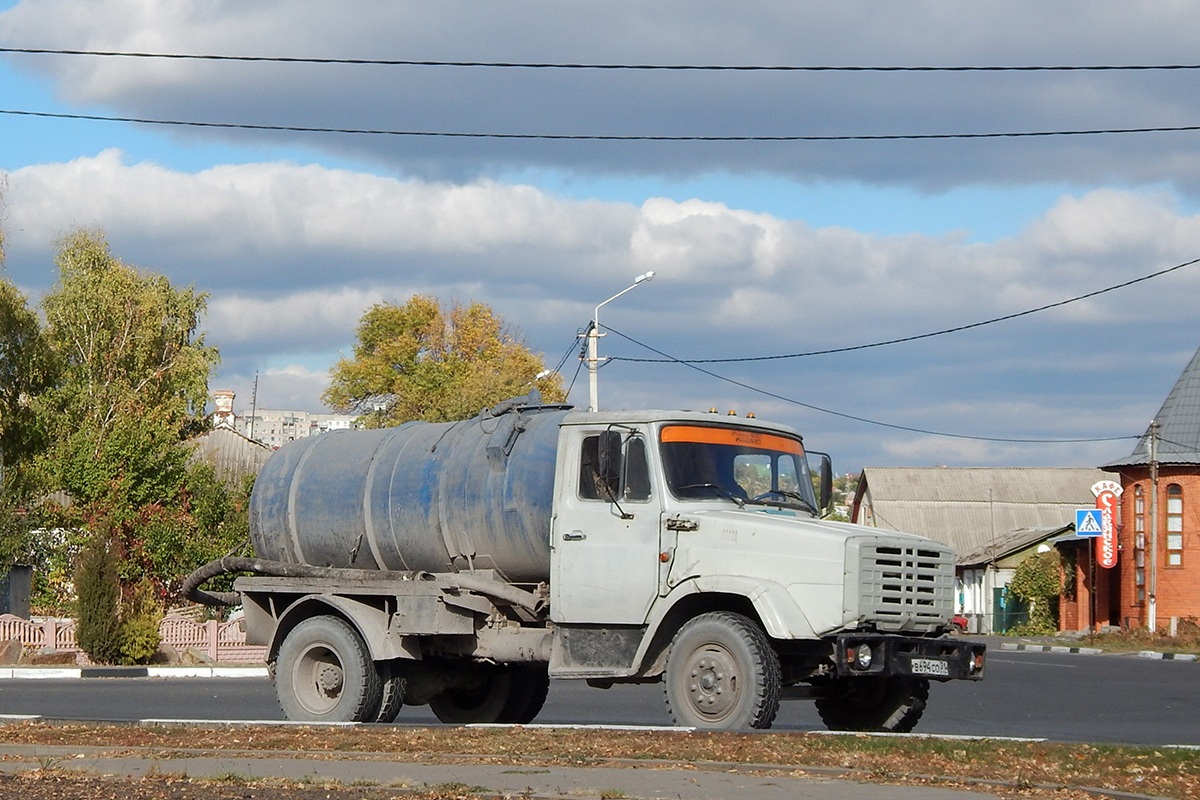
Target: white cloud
pixel 288 387
pixel 286 319
pixel 292 255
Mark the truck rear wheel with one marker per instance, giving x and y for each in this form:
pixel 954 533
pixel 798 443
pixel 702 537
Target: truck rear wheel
pixel 324 673
pixel 875 704
pixel 507 694
pixel 481 696
pixel 392 696
pixel 722 673
pixel 527 693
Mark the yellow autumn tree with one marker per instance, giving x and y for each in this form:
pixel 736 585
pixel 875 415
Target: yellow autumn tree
pixel 422 361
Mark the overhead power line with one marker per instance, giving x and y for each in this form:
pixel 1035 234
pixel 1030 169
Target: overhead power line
pixel 917 337
pixel 392 62
pixel 616 137
pixel 856 418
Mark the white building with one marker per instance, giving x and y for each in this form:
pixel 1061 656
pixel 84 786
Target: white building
pixel 272 427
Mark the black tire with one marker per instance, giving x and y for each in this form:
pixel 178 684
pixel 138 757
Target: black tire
pixel 324 673
pixel 875 704
pixel 391 673
pixel 529 685
pixel 484 696
pixel 722 673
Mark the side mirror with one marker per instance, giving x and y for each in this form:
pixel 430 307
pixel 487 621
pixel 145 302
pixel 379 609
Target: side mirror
pixel 825 492
pixel 610 459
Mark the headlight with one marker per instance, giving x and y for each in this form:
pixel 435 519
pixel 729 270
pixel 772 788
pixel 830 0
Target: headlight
pixel 860 657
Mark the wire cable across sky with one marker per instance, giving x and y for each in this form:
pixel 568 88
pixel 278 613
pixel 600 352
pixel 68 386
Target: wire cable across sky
pixel 919 336
pixel 568 65
pixel 695 365
pixel 856 418
pixel 606 137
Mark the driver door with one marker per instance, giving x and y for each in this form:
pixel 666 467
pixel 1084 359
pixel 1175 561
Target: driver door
pixel 604 560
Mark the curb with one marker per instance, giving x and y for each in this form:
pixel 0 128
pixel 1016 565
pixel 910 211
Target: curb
pixel 1092 651
pixel 1167 656
pixel 1051 648
pixel 60 673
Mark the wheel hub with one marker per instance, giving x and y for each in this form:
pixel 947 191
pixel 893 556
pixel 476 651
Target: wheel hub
pixel 330 680
pixel 713 686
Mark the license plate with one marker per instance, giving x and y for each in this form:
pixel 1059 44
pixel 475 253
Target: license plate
pixel 930 666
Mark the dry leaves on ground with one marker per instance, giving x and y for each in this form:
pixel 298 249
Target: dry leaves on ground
pixel 1173 773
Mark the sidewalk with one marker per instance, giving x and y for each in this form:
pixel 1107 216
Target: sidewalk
pixel 686 782
pixel 189 671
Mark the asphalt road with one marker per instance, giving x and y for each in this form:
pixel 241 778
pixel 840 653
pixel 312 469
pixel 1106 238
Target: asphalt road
pixel 1062 697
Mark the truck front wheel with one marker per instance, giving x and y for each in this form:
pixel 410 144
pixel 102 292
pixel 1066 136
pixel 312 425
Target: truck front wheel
pixel 722 673
pixel 324 673
pixel 874 704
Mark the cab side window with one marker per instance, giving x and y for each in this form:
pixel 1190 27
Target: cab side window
pixel 596 483
pixel 624 474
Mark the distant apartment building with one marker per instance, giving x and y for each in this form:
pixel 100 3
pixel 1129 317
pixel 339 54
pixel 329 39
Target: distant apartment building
pixel 272 427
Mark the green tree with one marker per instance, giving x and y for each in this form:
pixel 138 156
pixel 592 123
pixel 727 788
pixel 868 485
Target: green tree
pixel 25 372
pixel 129 391
pixel 420 361
pixel 133 381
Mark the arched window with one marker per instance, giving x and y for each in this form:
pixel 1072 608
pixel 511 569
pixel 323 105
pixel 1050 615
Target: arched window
pixel 1139 542
pixel 1174 525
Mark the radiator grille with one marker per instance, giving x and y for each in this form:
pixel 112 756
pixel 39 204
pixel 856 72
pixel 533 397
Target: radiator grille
pixel 907 586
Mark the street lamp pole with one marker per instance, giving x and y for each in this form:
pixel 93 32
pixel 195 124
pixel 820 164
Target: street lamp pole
pixel 593 358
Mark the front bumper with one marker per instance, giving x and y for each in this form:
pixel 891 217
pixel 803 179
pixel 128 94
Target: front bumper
pixel 941 659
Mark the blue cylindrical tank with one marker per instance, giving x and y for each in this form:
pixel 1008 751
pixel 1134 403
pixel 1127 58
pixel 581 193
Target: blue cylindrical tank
pixel 437 497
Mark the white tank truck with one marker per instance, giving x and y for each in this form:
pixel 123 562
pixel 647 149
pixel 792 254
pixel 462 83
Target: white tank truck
pixel 465 564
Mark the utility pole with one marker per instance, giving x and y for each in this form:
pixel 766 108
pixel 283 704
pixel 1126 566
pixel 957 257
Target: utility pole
pixel 593 358
pixel 253 406
pixel 1152 583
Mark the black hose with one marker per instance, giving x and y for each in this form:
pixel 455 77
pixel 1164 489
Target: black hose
pixel 277 569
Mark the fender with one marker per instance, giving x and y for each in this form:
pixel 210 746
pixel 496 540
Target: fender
pixel 371 622
pixel 781 615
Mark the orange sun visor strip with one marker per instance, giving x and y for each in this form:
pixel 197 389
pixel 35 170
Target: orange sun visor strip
pixel 702 434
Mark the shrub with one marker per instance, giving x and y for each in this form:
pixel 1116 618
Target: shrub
pixel 111 630
pixel 1037 580
pixel 140 616
pixel 98 592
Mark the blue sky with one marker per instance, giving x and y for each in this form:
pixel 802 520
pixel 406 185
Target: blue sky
pixel 760 248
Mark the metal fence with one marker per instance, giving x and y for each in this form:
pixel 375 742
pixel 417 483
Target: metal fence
pixel 221 642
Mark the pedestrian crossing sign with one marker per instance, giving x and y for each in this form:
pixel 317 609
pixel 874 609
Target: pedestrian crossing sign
pixel 1088 522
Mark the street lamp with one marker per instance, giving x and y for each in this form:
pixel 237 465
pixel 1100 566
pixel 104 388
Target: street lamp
pixel 594 335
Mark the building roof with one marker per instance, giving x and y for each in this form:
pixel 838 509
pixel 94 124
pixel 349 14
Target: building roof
pixel 231 454
pixel 1179 424
pixel 1011 543
pixel 974 509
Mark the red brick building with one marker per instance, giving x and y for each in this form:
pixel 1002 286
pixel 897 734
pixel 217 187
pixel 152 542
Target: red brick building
pixel 1157 577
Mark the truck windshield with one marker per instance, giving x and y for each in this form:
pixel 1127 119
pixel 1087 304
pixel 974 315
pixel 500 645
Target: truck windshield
pixel 704 461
